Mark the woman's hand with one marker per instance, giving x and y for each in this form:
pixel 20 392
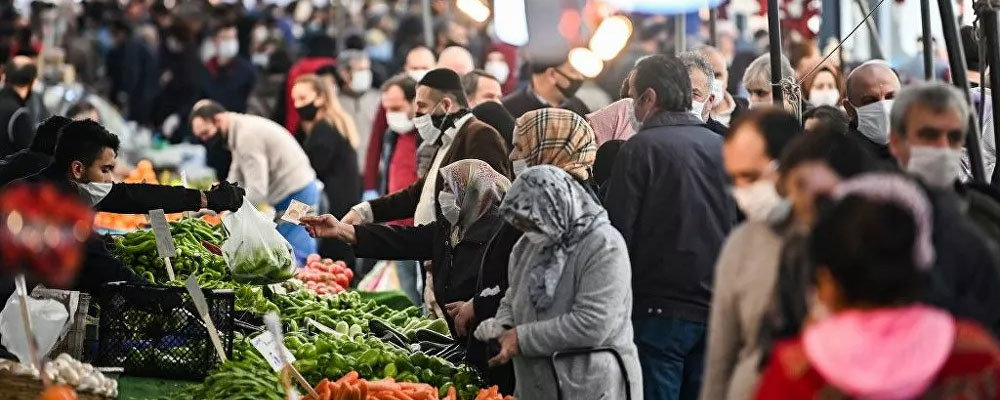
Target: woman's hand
pixel 327 226
pixel 509 348
pixel 464 315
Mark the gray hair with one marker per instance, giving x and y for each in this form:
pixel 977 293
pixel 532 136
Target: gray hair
pixel 347 57
pixel 758 73
pixel 695 60
pixel 938 97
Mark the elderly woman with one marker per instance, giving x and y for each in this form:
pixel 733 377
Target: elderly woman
pixel 555 137
pixel 456 243
pixel 570 288
pixel 757 79
pixel 870 337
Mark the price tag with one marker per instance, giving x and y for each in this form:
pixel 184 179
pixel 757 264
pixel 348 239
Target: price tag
pixel 202 306
pixel 267 346
pixel 164 242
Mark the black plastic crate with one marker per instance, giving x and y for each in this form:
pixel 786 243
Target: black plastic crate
pixel 155 331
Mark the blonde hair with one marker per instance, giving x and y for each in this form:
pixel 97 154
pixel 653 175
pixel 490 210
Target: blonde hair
pixel 331 111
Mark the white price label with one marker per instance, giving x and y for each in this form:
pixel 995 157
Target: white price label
pixel 265 344
pixel 164 242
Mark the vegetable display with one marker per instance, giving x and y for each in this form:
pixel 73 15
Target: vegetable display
pixel 64 369
pixel 324 276
pixel 138 251
pixel 263 266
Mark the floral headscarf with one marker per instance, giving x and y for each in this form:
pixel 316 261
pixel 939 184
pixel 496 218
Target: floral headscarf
pixel 561 210
pixel 474 187
pixel 557 137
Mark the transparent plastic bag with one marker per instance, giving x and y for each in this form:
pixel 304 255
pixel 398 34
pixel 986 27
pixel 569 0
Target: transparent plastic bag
pixel 48 322
pixel 255 251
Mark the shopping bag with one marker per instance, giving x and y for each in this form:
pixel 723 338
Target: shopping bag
pixel 48 322
pixel 255 251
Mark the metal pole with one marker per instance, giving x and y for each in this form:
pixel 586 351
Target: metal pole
pixel 680 29
pixel 925 23
pixel 713 34
pixel 956 60
pixel 428 25
pixel 774 32
pixel 876 45
pixel 990 19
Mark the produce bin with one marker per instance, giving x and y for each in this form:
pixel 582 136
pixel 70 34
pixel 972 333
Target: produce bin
pixel 155 331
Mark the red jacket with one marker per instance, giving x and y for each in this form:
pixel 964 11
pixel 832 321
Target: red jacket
pixel 379 126
pixel 304 66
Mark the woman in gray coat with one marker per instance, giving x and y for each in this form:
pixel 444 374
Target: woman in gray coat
pixel 570 288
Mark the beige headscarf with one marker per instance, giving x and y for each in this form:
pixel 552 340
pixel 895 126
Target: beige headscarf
pixel 556 137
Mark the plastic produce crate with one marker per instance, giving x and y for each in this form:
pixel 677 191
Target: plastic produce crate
pixel 155 331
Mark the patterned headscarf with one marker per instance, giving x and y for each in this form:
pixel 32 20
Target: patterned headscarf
pixel 560 209
pixel 557 137
pixel 613 122
pixel 477 189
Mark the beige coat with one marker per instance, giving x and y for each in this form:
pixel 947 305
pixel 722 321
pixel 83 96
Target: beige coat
pixel 267 160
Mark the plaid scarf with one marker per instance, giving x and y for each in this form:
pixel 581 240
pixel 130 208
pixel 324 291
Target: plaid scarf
pixel 556 137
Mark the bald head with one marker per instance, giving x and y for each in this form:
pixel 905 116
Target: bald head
pixel 419 58
pixel 456 59
pixel 871 82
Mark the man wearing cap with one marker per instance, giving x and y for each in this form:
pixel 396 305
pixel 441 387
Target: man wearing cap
pixel 450 133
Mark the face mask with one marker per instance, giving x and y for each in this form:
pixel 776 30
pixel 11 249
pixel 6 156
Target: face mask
pixel 260 34
pixel 228 49
pixel 261 59
pixel 449 207
pixel 758 200
pixel 417 74
pixel 22 76
pixel 93 192
pixel 938 167
pixel 759 105
pixel 696 108
pixel 399 122
pixel 307 112
pixel 207 51
pixel 498 69
pixel 520 166
pixel 873 121
pixel 828 97
pixel 717 89
pixel 424 123
pixel 361 81
pixel 570 91
pixel 538 238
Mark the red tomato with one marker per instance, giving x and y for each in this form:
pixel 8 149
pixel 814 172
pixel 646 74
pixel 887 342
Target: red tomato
pixel 342 280
pixel 327 261
pixel 312 257
pixel 350 274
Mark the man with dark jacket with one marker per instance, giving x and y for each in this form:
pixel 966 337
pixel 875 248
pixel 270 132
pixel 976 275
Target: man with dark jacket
pixel 443 121
pixel 16 122
pixel 132 69
pixel 871 88
pixel 727 108
pixel 668 197
pixel 35 158
pixel 552 85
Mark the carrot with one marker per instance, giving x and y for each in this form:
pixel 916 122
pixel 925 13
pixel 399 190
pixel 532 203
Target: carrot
pixel 452 394
pixel 323 384
pixel 382 385
pixel 363 389
pixel 350 377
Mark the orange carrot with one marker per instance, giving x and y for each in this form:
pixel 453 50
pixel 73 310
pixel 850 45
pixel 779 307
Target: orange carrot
pixel 350 377
pixel 382 385
pixel 452 394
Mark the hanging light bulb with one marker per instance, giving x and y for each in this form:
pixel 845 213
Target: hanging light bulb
pixel 475 9
pixel 611 37
pixel 585 62
pixel 511 22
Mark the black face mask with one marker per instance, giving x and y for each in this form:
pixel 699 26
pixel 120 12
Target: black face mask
pixel 22 76
pixel 307 112
pixel 215 142
pixel 574 85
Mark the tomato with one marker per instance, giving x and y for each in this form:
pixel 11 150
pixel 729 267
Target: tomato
pixel 342 280
pixel 328 261
pixel 350 274
pixel 312 258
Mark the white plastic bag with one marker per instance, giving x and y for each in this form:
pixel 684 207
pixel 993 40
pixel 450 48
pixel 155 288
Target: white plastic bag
pixel 48 320
pixel 255 251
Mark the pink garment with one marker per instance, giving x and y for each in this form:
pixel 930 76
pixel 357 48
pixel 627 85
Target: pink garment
pixel 884 354
pixel 612 122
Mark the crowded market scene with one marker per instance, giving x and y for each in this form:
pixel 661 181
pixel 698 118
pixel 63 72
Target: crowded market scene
pixel 499 199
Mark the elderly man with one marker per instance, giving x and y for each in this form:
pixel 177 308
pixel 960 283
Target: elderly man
pixel 457 59
pixel 871 88
pixel 702 79
pixel 551 85
pixel 726 107
pixel 929 122
pixel 356 96
pixel 668 196
pixel 481 87
pixel 757 79
pixel 419 60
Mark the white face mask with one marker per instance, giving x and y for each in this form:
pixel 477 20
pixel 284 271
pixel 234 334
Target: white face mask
pixel 94 192
pixel 938 167
pixel 873 121
pixel 449 207
pixel 260 34
pixel 519 166
pixel 228 49
pixel 399 122
pixel 758 200
pixel 718 89
pixel 696 108
pixel 361 81
pixel 759 105
pixel 417 74
pixel 425 126
pixel 538 238
pixel 826 97
pixel 498 69
pixel 260 59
